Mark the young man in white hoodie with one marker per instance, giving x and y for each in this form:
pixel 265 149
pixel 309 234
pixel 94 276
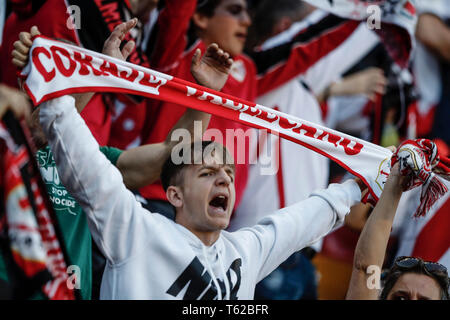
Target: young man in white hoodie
pixel 152 257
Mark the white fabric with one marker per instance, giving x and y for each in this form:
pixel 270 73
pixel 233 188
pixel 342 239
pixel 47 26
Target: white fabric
pixel 146 253
pixel 427 76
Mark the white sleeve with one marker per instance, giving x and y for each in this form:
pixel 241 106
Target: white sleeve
pixel 115 218
pixel 288 230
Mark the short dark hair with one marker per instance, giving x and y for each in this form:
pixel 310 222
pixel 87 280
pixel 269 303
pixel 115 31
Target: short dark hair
pixel 207 7
pixel 395 273
pixel 268 13
pixel 171 174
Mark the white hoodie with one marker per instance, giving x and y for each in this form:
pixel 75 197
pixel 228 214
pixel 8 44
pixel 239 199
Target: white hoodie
pixel 151 257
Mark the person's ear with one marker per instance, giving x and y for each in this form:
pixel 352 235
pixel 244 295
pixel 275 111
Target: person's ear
pixel 200 20
pixel 175 196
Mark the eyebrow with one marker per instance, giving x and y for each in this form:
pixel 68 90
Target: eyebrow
pixel 406 293
pixel 402 292
pixel 226 166
pixel 239 3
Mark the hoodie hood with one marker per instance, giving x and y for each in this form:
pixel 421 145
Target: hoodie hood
pixel 212 258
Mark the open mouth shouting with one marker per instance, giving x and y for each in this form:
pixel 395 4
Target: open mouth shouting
pixel 219 204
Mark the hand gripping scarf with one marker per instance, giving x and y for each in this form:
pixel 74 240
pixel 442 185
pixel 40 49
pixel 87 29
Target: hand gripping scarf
pixel 420 160
pixel 57 68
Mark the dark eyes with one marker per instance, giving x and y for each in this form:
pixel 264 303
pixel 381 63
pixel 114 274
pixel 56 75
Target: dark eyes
pixel 211 173
pixel 235 9
pixel 206 174
pixel 400 297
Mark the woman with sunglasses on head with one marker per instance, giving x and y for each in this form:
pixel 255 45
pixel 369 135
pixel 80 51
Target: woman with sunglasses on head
pixel 409 278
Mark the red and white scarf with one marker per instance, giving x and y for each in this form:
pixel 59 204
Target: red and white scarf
pixel 57 68
pixel 420 160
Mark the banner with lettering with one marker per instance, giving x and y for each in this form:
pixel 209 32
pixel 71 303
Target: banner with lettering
pixel 57 68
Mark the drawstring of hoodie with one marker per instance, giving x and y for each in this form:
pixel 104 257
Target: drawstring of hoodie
pixel 225 278
pixel 213 276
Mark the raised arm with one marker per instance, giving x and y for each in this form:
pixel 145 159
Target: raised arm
pixel 434 34
pixel 115 218
pixel 372 243
pixel 14 100
pixel 111 48
pixel 368 82
pixel 288 230
pixel 142 165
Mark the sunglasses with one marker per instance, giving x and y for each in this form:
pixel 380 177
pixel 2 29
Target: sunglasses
pixel 407 263
pixel 432 269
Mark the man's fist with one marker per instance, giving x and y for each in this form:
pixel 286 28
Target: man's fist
pixel 22 47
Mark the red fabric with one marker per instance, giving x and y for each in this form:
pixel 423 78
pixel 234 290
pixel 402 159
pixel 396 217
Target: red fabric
pixel 434 240
pixel 341 244
pixel 98 119
pixel 96 112
pixel 53 28
pixel 128 123
pixel 424 122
